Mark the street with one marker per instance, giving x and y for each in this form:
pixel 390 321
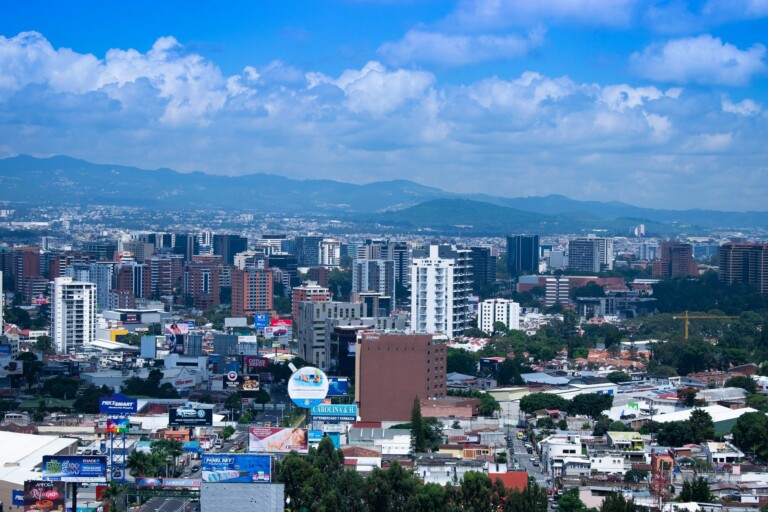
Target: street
pixel 167 505
pixel 518 451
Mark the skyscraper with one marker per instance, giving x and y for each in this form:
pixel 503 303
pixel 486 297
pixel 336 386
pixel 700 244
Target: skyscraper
pixel 251 291
pixel 744 263
pixel 483 267
pixel 374 275
pixel 227 246
pixel 675 260
pixel 73 320
pixel 522 254
pixel 440 286
pixel 590 254
pixel 308 250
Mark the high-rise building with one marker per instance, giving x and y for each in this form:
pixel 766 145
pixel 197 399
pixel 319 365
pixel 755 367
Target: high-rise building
pixel 25 263
pixel 252 291
pixel 141 251
pixel 202 282
pixel 675 260
pixel 374 276
pixel 133 278
pixel 2 303
pixel 556 290
pixel 310 291
pixel 58 263
pixel 187 245
pixel 308 250
pixel 744 263
pixel 440 287
pixel 330 252
pixel 400 253
pixel 310 327
pixel 483 267
pixel 73 314
pixel 100 250
pixel 391 370
pixel 522 254
pixel 101 273
pixel 498 310
pixel 166 274
pixel 227 246
pixel 591 254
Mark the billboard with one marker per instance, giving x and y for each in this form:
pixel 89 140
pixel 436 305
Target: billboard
pixel 118 405
pixel 9 366
pixel 174 337
pixel 44 496
pixel 235 382
pixel 168 482
pixel 190 417
pixel 308 387
pixel 253 364
pixel 280 328
pixel 74 468
pixel 118 426
pixel 335 412
pixel 338 386
pixel 260 321
pixel 237 468
pixel 277 440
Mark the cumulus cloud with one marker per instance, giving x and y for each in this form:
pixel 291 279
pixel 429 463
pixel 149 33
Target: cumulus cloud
pixel 746 107
pixel 458 49
pixel 702 60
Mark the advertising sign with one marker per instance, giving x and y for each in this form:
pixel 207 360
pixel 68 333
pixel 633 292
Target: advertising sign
pixel 338 412
pixel 9 366
pixel 260 321
pixel 236 382
pixel 118 426
pixel 253 364
pixel 190 417
pixel 237 468
pixel 308 387
pixel 277 440
pixel 40 496
pixel 281 328
pixel 74 468
pixel 338 386
pixel 118 405
pixel 168 482
pixel 18 498
pixel 174 337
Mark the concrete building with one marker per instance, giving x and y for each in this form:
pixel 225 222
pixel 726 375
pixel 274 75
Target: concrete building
pixel 252 291
pixel 308 250
pixel 744 263
pixel 330 252
pixel 391 370
pixel 140 250
pixel 556 290
pixel 522 254
pixel 591 254
pixel 311 334
pixel 166 274
pixel 202 282
pixel 498 310
pixel 440 287
pixel 73 314
pixel 374 276
pixel 483 267
pixel 675 260
pixel 227 246
pixel 309 291
pixel 102 275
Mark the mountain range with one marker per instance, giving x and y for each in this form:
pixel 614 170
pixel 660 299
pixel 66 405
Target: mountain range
pixel 397 204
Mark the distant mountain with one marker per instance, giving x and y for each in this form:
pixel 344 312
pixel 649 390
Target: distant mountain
pixel 61 179
pixel 65 180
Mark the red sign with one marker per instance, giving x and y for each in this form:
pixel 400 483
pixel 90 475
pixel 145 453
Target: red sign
pixel 255 362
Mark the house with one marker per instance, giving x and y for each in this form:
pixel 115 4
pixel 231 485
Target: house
pixel 361 458
pixel 437 469
pixel 722 453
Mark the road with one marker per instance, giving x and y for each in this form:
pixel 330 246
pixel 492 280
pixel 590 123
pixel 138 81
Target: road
pixel 519 452
pixel 167 505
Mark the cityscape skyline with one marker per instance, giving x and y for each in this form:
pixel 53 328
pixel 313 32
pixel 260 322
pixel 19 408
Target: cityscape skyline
pixel 652 103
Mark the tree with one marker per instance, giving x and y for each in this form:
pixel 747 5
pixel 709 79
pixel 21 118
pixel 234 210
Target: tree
pixel 428 498
pixel 635 476
pixel 44 345
pixel 488 404
pixel 702 426
pixel 479 494
pixel 88 401
pixel 675 433
pixel 531 499
pixel 688 396
pixel 140 463
pixel 590 404
pixel 750 434
pixel 227 432
pixel 745 383
pixel 390 490
pixel 570 502
pixel 31 367
pixel 509 373
pixel 616 502
pixel 696 490
pixel 618 377
pixel 537 401
pixel 460 361
pixel 112 495
pixel 418 439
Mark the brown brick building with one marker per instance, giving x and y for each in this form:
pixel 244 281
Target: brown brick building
pixel 393 369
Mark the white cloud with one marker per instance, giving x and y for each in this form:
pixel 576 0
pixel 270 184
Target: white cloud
pixel 376 90
pixel 746 107
pixel 703 60
pixel 458 49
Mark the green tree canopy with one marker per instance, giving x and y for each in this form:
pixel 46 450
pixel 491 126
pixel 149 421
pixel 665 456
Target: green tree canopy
pixel 745 383
pixel 590 404
pixel 702 426
pixel 537 401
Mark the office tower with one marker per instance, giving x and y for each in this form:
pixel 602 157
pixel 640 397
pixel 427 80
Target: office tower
pixel 522 254
pixel 141 251
pixel 310 291
pixel 252 291
pixel 307 250
pixel 483 267
pixel 101 273
pixel 290 267
pixel 590 254
pixel 675 260
pixel 744 263
pixel 311 329
pixel 58 263
pixel 556 291
pixel 202 282
pixel 73 314
pixel 400 253
pixel 25 263
pixel 330 252
pixel 2 304
pixel 319 275
pixel 498 310
pixel 133 278
pixel 100 250
pixel 391 370
pixel 187 245
pixel 227 246
pixel 374 304
pixel 374 276
pixel 166 271
pixel 440 287
pixel 647 251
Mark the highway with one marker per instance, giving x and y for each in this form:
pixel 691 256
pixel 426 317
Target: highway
pixel 167 505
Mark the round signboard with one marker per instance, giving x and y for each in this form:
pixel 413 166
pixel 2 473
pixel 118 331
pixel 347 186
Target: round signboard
pixel 308 387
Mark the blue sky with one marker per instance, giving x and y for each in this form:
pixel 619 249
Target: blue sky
pixel 662 104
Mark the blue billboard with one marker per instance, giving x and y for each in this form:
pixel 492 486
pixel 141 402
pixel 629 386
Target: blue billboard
pixel 335 412
pixel 18 498
pixel 237 468
pixel 338 386
pixel 260 321
pixel 74 468
pixel 118 405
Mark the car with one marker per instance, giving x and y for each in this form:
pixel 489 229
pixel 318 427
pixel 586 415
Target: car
pixel 186 412
pixel 535 463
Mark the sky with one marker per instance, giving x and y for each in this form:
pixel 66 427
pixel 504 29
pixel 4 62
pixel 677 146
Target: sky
pixel 654 103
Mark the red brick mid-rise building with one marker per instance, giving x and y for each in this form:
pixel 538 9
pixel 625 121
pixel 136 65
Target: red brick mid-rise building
pixel 393 369
pixel 202 282
pixel 25 263
pixel 252 291
pixel 309 291
pixel 675 260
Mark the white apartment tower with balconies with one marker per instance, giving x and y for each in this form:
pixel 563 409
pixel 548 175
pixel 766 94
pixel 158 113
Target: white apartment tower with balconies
pixel 498 310
pixel 440 286
pixel 73 314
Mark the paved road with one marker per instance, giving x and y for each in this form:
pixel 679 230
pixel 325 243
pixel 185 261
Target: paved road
pixel 167 505
pixel 524 458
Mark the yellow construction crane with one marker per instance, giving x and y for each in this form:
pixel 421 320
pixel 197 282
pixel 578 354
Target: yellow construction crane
pixel 688 319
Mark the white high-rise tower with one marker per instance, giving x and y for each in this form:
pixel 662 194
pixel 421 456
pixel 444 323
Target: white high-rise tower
pixel 73 321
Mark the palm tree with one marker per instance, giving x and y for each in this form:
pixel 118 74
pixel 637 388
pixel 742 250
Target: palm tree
pixel 111 495
pixel 140 464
